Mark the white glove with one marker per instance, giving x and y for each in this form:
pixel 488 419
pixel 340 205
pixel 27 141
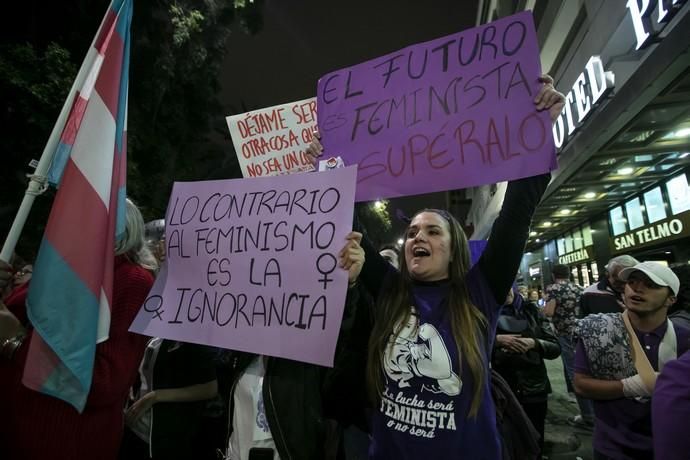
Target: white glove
pixel 634 387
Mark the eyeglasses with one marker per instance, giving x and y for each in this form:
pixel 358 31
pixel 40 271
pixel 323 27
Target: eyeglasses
pixel 23 272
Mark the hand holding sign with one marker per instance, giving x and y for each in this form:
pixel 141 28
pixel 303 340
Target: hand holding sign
pixel 315 148
pixel 549 98
pixel 352 256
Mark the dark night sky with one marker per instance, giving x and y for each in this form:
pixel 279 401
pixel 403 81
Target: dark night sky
pixel 302 40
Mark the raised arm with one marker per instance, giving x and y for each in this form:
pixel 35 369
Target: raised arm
pixel 375 270
pixel 500 260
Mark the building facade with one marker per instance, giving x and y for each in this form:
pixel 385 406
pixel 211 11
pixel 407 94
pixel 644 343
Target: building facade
pixel 623 138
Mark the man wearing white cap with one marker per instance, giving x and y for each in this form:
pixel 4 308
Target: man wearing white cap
pixel 619 356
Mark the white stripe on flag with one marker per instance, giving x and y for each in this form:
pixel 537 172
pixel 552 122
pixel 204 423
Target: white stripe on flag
pixel 94 147
pixel 56 133
pixel 103 319
pixel 91 77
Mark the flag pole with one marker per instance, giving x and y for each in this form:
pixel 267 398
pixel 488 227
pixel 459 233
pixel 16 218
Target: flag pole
pixel 37 185
pixel 37 181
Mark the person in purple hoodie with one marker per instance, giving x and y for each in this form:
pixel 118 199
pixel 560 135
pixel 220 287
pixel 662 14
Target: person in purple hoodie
pixel 671 411
pixel 435 320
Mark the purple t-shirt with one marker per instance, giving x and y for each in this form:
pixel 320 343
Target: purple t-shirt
pixel 425 403
pixel 623 427
pixel 671 410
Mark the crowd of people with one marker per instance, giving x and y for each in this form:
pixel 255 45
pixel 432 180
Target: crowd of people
pixel 436 358
pixel 617 337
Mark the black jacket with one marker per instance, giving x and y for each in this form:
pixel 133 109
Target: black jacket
pixel 526 373
pixel 292 398
pixel 294 394
pixel 174 424
pixel 518 435
pixel 599 298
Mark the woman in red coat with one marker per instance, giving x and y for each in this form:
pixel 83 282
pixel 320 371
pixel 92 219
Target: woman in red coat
pixel 34 425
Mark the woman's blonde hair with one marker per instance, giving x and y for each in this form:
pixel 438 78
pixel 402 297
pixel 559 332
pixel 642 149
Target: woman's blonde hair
pixel 132 243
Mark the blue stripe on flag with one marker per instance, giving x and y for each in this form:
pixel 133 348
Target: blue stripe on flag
pixel 57 167
pixel 123 23
pixel 124 30
pixel 66 319
pixel 120 220
pixel 115 5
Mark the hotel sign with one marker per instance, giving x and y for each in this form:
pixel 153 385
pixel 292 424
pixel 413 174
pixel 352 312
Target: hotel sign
pixel 590 87
pixel 576 256
pixel 668 229
pixel 641 12
pixel 648 19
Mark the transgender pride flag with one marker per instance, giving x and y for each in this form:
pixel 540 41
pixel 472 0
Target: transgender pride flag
pixel 71 289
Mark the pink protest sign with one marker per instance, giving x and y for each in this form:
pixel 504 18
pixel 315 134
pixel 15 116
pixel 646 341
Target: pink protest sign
pixel 449 113
pixel 273 141
pixel 252 265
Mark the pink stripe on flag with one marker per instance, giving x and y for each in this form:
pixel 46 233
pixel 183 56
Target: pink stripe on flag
pixel 76 115
pixel 107 28
pixel 88 219
pixel 119 163
pixel 108 82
